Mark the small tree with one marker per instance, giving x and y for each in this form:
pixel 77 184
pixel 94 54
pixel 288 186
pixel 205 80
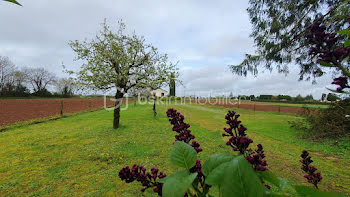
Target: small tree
pixel 137 91
pixel 65 87
pixel 299 98
pixel 309 97
pixel 231 95
pixel 162 74
pixel 6 73
pixel 115 60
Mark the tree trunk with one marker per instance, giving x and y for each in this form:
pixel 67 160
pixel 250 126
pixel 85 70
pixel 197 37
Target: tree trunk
pixel 135 99
pixel 116 115
pixel 154 108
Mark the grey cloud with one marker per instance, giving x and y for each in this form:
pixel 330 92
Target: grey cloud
pixel 218 80
pixel 204 36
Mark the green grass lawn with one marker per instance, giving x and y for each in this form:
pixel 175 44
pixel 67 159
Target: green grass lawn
pixel 275 103
pixel 297 105
pixel 82 155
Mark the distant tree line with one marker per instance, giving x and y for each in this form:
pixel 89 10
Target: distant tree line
pixel 25 82
pixel 286 98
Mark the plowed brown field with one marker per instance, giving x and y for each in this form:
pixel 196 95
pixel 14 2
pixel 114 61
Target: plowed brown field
pixel 17 110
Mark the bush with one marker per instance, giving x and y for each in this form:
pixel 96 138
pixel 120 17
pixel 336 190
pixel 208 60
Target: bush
pixel 299 98
pixel 284 97
pixel 42 93
pixel 333 122
pixel 332 97
pixel 265 97
pixel 14 91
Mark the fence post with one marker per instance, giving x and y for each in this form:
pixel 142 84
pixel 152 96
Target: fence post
pixel 239 101
pixel 61 108
pixel 254 106
pixel 89 104
pixel 166 102
pixel 279 109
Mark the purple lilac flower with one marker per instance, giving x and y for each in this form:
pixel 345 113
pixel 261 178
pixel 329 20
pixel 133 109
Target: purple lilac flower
pixel 312 176
pixel 180 127
pixel 342 82
pixel 147 179
pixel 323 45
pixel 238 139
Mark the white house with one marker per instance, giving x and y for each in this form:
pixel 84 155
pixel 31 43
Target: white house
pixel 159 93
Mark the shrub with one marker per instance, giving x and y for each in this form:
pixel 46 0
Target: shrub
pixel 265 97
pixel 332 97
pixel 333 122
pixel 42 93
pixel 284 97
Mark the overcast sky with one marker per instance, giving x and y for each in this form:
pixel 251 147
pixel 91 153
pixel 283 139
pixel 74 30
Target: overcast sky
pixel 204 36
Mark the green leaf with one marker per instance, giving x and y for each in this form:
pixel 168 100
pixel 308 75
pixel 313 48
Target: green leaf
pixel 305 191
pixel 335 91
pixel 239 179
pixel 273 194
pixel 271 178
pixel 13 1
pixel 347 43
pixel 177 184
pixel 326 64
pixel 214 161
pixel 180 173
pixel 183 155
pixel 217 175
pixel 344 32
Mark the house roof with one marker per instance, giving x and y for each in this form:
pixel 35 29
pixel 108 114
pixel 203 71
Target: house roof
pixel 160 89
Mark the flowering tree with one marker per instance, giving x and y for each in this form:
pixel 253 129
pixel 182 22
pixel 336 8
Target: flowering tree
pixel 279 29
pixel 329 49
pixel 116 60
pixel 160 75
pixel 136 91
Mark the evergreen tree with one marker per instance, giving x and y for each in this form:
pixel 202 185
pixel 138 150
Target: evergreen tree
pixel 172 86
